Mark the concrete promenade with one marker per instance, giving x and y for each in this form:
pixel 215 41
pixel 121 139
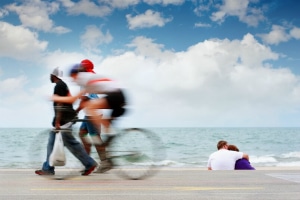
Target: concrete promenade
pixel 168 183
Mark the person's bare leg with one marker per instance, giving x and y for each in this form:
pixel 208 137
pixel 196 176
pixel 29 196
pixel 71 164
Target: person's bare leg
pixel 100 149
pixel 106 124
pixel 105 163
pixel 91 109
pixel 83 137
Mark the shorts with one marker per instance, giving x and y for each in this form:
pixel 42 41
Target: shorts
pixel 89 127
pixel 116 102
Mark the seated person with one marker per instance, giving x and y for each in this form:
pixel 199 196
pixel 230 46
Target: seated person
pixel 223 159
pixel 241 164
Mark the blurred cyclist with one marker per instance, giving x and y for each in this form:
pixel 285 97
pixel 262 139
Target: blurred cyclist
pixel 113 98
pixel 88 133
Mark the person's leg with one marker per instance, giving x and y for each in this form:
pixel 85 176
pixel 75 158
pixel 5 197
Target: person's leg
pixel 92 111
pixel 78 151
pixel 95 135
pixel 46 168
pixel 83 135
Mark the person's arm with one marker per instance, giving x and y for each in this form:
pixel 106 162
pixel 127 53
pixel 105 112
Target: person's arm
pixel 59 90
pixel 209 163
pixel 84 99
pixel 246 156
pixel 67 99
pixel 58 116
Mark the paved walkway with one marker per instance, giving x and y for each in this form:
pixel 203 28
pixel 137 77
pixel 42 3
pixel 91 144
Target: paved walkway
pixel 170 184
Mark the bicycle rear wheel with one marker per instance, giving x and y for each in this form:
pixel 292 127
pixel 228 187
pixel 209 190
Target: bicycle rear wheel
pixel 136 153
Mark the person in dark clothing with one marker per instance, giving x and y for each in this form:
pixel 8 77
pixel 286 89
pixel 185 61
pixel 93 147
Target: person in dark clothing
pixel 63 116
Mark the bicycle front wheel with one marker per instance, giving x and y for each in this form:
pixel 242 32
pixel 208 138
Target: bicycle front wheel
pixel 136 153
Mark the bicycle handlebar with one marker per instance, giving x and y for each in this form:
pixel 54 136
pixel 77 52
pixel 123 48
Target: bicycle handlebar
pixel 78 120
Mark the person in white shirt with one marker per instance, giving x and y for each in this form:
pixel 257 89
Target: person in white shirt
pixel 223 159
pixel 88 133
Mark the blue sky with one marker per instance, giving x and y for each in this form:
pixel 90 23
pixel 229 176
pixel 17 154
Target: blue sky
pixel 197 63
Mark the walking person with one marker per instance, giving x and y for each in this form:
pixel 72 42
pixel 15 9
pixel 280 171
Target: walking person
pixel 61 117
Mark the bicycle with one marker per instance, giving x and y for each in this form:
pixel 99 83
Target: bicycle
pixel 134 153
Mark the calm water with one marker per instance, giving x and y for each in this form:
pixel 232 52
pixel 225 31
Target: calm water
pixel 185 147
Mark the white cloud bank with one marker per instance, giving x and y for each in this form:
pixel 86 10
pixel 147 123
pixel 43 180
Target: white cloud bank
pixel 19 42
pixel 212 83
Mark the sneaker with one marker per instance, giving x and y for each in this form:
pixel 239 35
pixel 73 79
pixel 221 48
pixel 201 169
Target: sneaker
pixel 89 170
pixel 104 166
pixel 43 172
pixel 82 170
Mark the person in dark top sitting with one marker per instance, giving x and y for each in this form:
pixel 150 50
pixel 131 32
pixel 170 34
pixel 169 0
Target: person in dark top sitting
pixel 241 164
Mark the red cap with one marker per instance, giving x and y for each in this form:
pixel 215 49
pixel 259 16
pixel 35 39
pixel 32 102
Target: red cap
pixel 88 65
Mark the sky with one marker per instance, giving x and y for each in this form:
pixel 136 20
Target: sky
pixel 195 63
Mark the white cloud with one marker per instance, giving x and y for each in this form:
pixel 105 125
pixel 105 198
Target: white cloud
pixel 121 4
pixel 10 99
pixel 3 12
pixel 23 106
pixel 146 47
pixel 86 7
pixel 94 37
pixel 213 83
pixel 35 14
pixel 277 35
pixel 25 103
pixel 19 42
pixel 147 20
pixel 295 33
pixel 38 114
pixel 10 85
pixel 164 2
pixel 240 9
pixel 202 8
pixel 199 24
pixel 67 3
pixel 105 7
pixel 61 59
pixel 60 30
